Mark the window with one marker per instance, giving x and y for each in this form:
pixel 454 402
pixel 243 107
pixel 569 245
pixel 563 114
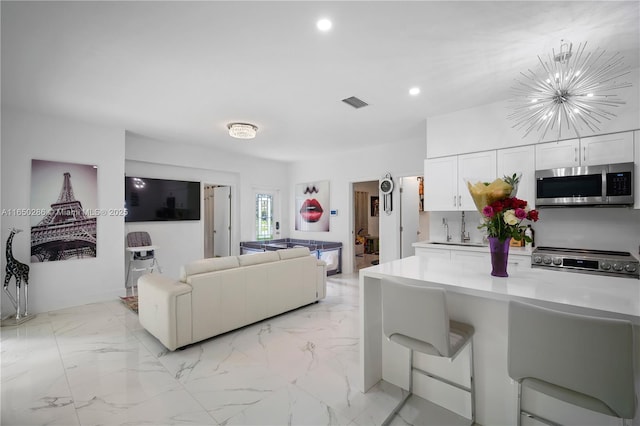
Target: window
pixel 264 216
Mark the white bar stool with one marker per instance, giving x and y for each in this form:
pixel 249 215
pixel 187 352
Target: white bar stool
pixel 582 360
pixel 416 317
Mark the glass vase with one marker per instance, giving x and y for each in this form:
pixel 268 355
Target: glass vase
pixel 499 255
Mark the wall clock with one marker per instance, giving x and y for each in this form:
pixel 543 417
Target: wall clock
pixel 386 188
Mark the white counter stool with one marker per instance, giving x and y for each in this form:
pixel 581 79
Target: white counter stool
pixel 416 317
pixel 582 360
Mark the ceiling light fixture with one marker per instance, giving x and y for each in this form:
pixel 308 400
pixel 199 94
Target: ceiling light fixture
pixel 414 91
pixel 324 24
pixel 573 89
pixel 139 183
pixel 242 130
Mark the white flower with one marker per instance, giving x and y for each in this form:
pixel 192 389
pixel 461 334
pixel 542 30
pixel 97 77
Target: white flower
pixel 510 217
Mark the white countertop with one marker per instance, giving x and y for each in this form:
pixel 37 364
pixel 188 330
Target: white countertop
pixel 574 292
pixel 525 251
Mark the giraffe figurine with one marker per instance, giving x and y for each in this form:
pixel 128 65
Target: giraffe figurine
pixel 20 272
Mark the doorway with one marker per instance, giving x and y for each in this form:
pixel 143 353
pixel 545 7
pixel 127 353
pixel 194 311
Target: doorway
pixel 366 221
pixel 217 220
pixel 414 221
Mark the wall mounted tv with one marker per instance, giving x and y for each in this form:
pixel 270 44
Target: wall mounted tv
pixel 148 199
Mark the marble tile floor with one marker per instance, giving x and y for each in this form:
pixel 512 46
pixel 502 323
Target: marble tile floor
pixel 95 365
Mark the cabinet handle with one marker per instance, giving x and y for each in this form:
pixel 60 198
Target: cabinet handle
pixel 575 155
pixel 460 200
pixel 584 153
pixel 454 201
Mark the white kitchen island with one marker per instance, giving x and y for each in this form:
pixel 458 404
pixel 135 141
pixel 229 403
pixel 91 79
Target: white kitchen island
pixel 477 298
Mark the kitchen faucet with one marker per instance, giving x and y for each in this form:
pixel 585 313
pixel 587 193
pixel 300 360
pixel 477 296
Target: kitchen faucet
pixel 464 236
pixel 446 225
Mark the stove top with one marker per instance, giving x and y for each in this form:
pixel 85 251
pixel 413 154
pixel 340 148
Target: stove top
pixel 601 262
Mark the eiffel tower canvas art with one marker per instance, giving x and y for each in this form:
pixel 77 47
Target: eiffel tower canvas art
pixel 66 228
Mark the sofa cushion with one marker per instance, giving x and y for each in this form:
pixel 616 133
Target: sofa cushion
pixel 293 253
pixel 208 265
pixel 258 258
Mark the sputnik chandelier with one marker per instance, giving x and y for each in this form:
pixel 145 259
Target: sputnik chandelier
pixel 574 90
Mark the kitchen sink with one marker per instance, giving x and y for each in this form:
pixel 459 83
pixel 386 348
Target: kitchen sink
pixel 452 243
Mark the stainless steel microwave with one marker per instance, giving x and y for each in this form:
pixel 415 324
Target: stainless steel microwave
pixel 609 184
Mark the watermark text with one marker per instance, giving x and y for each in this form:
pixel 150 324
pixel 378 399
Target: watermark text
pixel 64 212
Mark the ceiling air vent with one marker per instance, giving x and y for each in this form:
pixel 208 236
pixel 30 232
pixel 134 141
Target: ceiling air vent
pixel 355 102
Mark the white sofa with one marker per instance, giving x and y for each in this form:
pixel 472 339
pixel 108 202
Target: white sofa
pixel 217 295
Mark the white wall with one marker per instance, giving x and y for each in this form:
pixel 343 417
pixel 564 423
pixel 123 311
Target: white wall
pixel 606 228
pixel 437 232
pixel 600 228
pixel 55 285
pixel 404 158
pixel 181 242
pixel 487 127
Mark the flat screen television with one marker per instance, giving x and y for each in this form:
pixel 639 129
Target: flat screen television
pixel 148 199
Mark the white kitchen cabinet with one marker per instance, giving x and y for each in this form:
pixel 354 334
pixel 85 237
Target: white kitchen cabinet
pixel 470 256
pixel 436 253
pixel 476 166
pixel 607 149
pixel 519 258
pixel 552 155
pixel 440 184
pixel 594 150
pixel 513 261
pixel 445 188
pixel 522 160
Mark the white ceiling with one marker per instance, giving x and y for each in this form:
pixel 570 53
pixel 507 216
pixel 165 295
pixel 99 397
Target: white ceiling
pixel 180 71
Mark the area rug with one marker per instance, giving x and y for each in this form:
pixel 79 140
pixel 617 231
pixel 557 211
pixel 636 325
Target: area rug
pixel 131 302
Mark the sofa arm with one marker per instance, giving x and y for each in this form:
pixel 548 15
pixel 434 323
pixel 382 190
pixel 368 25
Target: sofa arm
pixel 164 309
pixel 321 279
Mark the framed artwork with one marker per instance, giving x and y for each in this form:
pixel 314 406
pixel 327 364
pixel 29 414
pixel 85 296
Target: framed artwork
pixel 375 205
pixel 63 216
pixel 312 206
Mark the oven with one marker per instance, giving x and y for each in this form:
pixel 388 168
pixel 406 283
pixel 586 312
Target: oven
pixel 600 262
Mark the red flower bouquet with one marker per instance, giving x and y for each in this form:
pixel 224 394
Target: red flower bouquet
pixel 503 214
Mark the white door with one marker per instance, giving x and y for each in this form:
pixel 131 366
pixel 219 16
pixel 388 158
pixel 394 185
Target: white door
pixel 209 202
pixel 409 215
pixel 222 221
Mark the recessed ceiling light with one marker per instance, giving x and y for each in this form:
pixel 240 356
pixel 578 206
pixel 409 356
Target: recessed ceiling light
pixel 324 24
pixel 242 130
pixel 414 91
